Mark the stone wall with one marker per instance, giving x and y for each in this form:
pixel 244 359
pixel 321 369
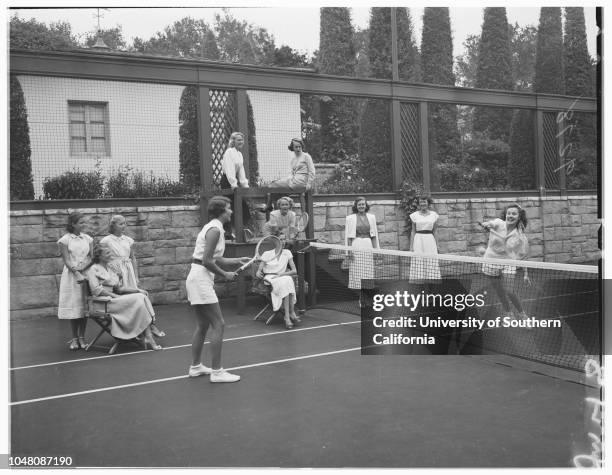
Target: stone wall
pixel 165 237
pixel 560 230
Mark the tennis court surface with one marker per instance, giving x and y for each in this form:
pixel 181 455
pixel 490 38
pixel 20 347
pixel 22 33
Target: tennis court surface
pixel 307 398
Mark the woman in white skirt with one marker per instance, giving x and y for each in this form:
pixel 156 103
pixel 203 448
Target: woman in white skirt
pixel 207 257
pixel 423 241
pixel 361 233
pixel 76 249
pixel 279 274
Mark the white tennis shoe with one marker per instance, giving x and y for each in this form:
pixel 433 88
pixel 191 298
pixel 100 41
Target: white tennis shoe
pixel 199 370
pixel 222 376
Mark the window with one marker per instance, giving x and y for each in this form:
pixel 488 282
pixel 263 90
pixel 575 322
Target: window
pixel 89 128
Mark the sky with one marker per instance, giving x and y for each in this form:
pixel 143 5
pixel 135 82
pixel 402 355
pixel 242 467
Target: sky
pixel 296 26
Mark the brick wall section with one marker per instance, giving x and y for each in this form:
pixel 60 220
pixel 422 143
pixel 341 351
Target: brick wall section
pixel 560 230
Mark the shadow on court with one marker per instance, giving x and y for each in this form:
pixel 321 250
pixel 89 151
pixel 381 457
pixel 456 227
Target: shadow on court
pixel 307 399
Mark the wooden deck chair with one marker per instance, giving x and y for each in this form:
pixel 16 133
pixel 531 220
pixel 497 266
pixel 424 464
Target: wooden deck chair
pixel 96 309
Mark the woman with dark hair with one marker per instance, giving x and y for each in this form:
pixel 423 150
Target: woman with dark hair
pixel 123 261
pixel 302 170
pixel 507 240
pixel 76 249
pixel 423 241
pixel 130 309
pixel 360 233
pixel 206 262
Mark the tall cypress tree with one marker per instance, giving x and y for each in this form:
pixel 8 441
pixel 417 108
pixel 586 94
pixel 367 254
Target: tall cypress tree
pixel 578 79
pixel 337 56
pixel 494 71
pixel 549 53
pixel 21 186
pixel 437 68
pixel 409 64
pixel 581 134
pixel 375 137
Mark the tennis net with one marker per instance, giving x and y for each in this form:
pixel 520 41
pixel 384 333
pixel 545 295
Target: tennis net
pixel 551 312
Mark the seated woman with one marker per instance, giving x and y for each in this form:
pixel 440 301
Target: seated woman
pixel 130 309
pixel 283 288
pixel 123 260
pixel 281 219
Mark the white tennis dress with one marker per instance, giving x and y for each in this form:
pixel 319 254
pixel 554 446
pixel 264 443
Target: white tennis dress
pixel 281 286
pixel 72 296
pixel 422 268
pixel 200 281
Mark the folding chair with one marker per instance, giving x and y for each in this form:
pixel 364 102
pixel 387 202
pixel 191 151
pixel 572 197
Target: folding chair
pixel 96 309
pixel 263 288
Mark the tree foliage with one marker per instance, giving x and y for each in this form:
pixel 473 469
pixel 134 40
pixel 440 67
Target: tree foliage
pixel 578 72
pixel 21 187
pixel 549 52
pixel 494 71
pixel 437 68
pixel 187 38
pixel 32 34
pixel 521 165
pixel 437 47
pixel 243 42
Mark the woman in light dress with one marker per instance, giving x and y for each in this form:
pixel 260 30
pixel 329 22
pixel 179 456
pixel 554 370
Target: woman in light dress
pixel 123 261
pixel 76 249
pixel 361 233
pixel 130 309
pixel 279 274
pixel 423 241
pixel 507 240
pixel 302 170
pixel 207 261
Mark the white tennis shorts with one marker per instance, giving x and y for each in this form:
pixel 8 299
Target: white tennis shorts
pixel 200 286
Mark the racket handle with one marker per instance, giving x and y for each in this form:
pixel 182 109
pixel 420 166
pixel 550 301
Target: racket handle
pixel 244 266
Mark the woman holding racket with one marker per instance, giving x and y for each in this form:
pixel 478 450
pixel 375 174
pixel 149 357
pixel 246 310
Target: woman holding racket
pixel 281 219
pixel 278 272
pixel 507 240
pixel 206 262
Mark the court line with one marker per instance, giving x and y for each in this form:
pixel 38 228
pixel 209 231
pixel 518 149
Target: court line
pixel 246 337
pixel 174 378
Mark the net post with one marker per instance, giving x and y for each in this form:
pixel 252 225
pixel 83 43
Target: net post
pixel 312 275
pixel 301 264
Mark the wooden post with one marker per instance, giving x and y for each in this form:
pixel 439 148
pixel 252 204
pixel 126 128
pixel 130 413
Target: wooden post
pixel 301 264
pixel 205 146
pixel 424 144
pixel 394 61
pixel 312 274
pixel 396 145
pixel 539 136
pixel 243 125
pixel 561 152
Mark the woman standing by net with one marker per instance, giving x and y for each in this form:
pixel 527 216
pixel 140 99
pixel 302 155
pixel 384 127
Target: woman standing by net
pixel 423 241
pixel 361 233
pixel 507 240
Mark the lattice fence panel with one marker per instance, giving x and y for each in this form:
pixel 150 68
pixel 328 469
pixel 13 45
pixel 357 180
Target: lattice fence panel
pixel 223 121
pixel 411 157
pixel 551 151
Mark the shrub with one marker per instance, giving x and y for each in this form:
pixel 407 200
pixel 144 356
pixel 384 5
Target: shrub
pixel 74 185
pixel 346 179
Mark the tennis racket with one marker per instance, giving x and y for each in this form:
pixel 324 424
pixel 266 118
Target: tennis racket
pixel 265 244
pixel 301 222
